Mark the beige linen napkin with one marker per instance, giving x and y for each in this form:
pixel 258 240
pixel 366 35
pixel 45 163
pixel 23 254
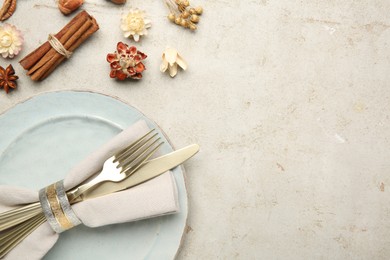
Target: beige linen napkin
pixel 153 198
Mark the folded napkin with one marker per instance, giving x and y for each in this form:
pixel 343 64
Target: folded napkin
pixel 153 198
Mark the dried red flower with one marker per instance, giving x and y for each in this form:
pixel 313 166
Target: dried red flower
pixel 126 62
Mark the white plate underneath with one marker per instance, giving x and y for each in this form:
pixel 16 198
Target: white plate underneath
pixel 46 135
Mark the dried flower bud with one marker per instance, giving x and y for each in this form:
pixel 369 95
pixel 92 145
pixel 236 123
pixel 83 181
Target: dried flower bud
pixel 192 26
pixel 184 23
pixel 199 10
pixel 185 14
pixel 171 17
pixel 194 18
pixel 178 20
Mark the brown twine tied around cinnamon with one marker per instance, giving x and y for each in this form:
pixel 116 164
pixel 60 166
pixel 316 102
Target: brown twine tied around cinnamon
pixel 58 46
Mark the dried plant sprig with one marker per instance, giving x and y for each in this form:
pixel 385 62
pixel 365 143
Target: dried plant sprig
pixel 182 14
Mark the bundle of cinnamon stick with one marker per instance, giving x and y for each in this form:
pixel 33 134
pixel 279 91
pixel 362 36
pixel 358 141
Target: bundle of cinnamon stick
pixel 42 61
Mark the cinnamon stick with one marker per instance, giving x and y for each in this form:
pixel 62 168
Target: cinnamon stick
pixel 85 36
pixel 64 38
pixel 56 56
pixel 28 61
pixel 41 62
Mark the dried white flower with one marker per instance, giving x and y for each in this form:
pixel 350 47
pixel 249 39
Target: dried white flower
pixel 135 24
pixel 11 41
pixel 171 59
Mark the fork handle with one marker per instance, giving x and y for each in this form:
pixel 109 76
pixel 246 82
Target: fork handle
pixel 13 236
pixel 13 217
pixel 74 195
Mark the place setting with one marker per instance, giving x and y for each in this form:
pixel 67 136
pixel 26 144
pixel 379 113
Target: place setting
pixel 84 175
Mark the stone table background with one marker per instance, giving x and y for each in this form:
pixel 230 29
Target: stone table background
pixel 289 101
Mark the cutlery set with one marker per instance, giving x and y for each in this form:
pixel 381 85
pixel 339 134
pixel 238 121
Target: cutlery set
pixel 127 168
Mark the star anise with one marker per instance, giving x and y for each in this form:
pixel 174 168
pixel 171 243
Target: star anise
pixel 8 78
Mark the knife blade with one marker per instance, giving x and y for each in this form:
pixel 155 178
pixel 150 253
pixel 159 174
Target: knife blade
pixel 150 170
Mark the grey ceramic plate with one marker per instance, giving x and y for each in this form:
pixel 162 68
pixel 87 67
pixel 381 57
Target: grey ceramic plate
pixel 46 135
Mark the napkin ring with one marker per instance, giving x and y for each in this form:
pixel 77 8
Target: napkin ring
pixel 56 207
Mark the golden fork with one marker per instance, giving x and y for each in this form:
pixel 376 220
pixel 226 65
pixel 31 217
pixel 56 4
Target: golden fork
pixel 16 224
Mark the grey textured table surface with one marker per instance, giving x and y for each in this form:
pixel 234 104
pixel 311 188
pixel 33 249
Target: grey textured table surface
pixel 289 101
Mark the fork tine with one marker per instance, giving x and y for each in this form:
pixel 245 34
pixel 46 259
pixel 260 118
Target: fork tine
pixel 130 152
pixel 130 170
pixel 133 145
pixel 125 161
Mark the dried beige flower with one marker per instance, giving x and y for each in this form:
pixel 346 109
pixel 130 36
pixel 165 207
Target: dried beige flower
pixel 171 59
pixel 11 41
pixel 135 24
